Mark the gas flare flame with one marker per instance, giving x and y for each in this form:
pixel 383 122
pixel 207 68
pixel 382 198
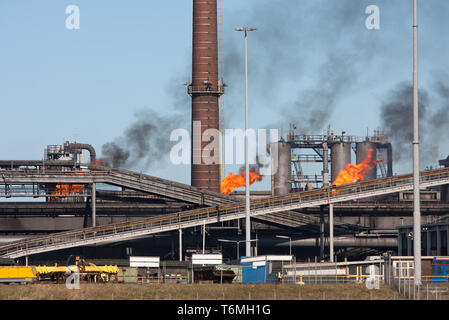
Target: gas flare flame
pixel 233 181
pixel 67 189
pixel 98 163
pixel 356 172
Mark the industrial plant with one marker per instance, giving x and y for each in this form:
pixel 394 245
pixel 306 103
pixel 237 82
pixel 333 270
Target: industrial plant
pixel 334 198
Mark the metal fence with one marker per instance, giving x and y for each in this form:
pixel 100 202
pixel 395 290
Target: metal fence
pixel 428 290
pixel 332 273
pixel 400 276
pixel 397 274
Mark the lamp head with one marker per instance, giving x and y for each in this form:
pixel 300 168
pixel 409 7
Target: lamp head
pixel 245 29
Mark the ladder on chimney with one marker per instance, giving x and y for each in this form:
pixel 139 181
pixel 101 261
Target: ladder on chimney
pixel 221 120
pixel 198 217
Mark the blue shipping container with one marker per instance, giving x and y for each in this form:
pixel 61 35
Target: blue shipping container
pixel 257 274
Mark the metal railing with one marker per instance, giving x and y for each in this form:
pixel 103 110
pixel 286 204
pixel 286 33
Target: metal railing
pixel 308 178
pixel 27 191
pixel 129 230
pixel 319 139
pixel 124 178
pixel 307 158
pixel 205 89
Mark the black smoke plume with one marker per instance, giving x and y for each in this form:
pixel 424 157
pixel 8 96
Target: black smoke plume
pixel 291 35
pixel 253 167
pixel 287 38
pixel 144 142
pixel 397 118
pixel 313 108
pixel 440 119
pixel 397 121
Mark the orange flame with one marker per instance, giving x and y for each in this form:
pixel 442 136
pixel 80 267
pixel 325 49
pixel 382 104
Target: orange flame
pixel 98 163
pixel 233 181
pixel 355 172
pixel 66 189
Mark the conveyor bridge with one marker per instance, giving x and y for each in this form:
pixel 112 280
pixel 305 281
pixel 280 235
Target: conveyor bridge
pixel 26 183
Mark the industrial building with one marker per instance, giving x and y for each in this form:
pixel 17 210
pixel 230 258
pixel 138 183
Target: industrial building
pixel 101 213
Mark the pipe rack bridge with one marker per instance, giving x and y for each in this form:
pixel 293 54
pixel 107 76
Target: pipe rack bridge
pixel 14 181
pixel 186 219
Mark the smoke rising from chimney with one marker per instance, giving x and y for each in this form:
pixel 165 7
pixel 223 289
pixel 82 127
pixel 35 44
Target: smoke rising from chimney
pixel 254 167
pixel 325 40
pixel 397 118
pixel 397 121
pixel 146 142
pixel 316 50
pixel 313 107
pixel 440 119
pixel 321 50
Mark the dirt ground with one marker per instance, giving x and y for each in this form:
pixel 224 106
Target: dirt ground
pixel 116 291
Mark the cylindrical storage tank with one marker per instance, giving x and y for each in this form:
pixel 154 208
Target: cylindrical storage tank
pixel 281 166
pixel 362 152
pixel 340 156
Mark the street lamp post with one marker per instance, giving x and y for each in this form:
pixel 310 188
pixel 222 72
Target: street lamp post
pixel 247 220
pixel 416 192
pixel 286 237
pixel 238 244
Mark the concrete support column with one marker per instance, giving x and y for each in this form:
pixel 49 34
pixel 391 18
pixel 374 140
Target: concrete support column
pixel 180 244
pixel 321 232
pixel 331 232
pixel 447 239
pixel 94 202
pixel 438 241
pixel 204 237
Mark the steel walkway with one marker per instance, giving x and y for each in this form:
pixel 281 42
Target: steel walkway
pixel 186 219
pixel 116 177
pixel 130 180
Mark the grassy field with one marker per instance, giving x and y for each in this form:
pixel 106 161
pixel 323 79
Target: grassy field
pixel 116 291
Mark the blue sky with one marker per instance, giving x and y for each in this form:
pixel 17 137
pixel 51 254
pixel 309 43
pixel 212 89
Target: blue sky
pixel 127 56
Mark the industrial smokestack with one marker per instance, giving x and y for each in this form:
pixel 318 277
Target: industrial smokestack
pixel 205 91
